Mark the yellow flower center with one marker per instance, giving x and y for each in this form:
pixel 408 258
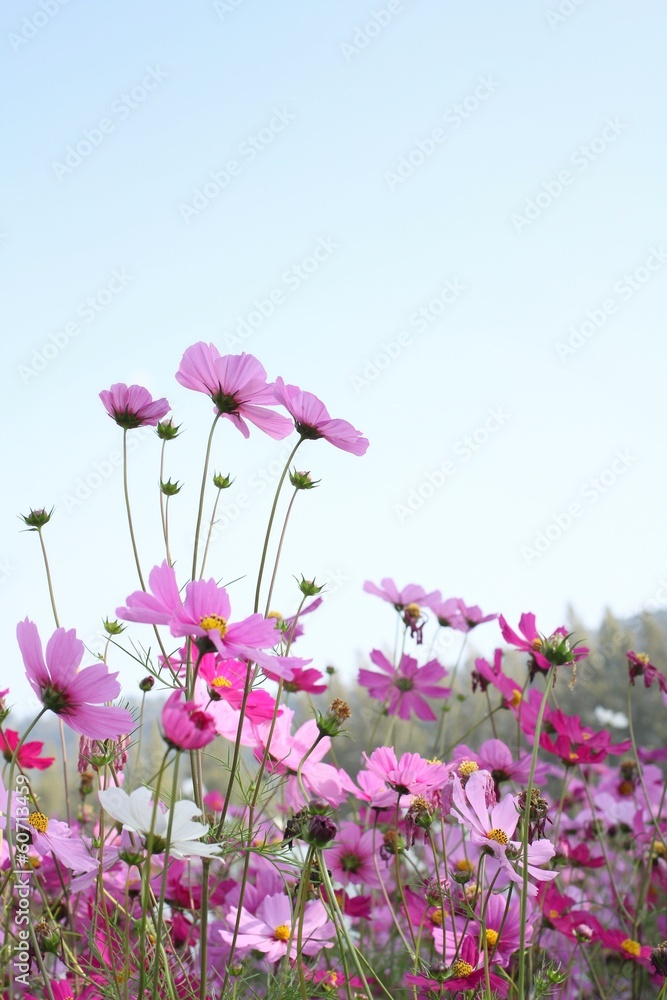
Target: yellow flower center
pixel 643 658
pixel 659 849
pixel 34 862
pixel 434 760
pixel 464 865
pixel 413 610
pixel 461 969
pixel 537 643
pixel 437 916
pixel 282 932
pixel 275 614
pixel 499 836
pixel 516 698
pixel 573 756
pixel 467 767
pixel 38 821
pixel 221 682
pixel 625 788
pixel 491 937
pixel 554 914
pixel 213 623
pixel 632 947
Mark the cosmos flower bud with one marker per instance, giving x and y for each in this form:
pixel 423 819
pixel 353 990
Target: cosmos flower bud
pixel 36 519
pixel 308 587
pixel 146 683
pixel 302 480
pixel 170 489
pixel 319 831
pixel 113 627
pixel 658 958
pixel 167 430
pixel 222 482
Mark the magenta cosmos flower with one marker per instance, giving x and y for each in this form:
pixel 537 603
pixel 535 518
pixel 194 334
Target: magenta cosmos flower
pixel 237 385
pixel 133 406
pixel 411 775
pixel 544 652
pixel 312 419
pixel 185 725
pixel 406 687
pixel 204 615
pixel 28 755
pixel 77 696
pixel 401 599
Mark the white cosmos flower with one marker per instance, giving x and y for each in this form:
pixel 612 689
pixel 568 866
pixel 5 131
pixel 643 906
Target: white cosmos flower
pixel 135 812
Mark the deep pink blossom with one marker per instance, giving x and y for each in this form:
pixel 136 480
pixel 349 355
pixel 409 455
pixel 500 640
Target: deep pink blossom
pixel 237 385
pixel 406 687
pixel 133 406
pixel 350 859
pixel 465 973
pixel 224 680
pixel 77 696
pixel 184 725
pixel 28 755
pixel 641 666
pixel 312 419
pixel 554 650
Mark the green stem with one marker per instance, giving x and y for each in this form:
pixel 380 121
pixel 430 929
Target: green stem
pixel 200 510
pixel 129 512
pixel 270 524
pixel 525 830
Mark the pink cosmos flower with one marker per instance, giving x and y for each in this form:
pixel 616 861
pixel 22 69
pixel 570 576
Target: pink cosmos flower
pixel 464 974
pixel 133 406
pixel 204 615
pixel 577 744
pixel 412 594
pixel 237 385
pixel 411 775
pixel 28 755
pixel 350 859
pixel 220 680
pixel 406 687
pixel 270 929
pixel 52 835
pixel 496 757
pixel 494 830
pixel 77 696
pixel 185 726
pixel 455 613
pixel 312 419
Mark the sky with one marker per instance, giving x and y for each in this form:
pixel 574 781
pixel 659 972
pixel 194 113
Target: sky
pixel 446 219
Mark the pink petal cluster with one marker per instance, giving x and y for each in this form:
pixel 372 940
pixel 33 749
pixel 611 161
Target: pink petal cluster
pixel 133 406
pixel 312 419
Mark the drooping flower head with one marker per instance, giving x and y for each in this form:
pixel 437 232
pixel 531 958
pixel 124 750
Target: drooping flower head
pixel 77 696
pixel 237 385
pixel 185 725
pixel 133 406
pixel 312 420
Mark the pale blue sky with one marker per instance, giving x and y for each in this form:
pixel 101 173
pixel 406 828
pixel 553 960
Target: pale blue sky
pixel 484 106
